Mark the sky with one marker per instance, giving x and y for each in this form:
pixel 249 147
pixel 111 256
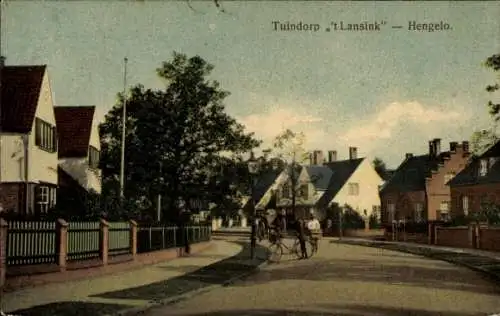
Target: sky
pixel 386 92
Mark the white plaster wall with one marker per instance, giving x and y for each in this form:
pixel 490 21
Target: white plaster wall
pixel 12 152
pixel 368 180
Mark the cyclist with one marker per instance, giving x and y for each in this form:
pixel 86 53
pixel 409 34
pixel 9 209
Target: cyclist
pixel 301 234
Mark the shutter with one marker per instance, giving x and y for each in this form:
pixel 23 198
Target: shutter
pixel 38 132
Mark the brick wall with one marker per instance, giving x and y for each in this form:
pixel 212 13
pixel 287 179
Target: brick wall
pixel 11 196
pixel 489 239
pixel 454 237
pixel 404 202
pixel 474 192
pixel 437 190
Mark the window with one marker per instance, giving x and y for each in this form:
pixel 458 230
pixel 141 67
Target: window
pixel 45 136
pixel 445 207
pixel 483 167
pixel 391 212
pixel 419 212
pixel 449 176
pixel 353 188
pixel 465 205
pixel 93 157
pixel 304 190
pixel 286 191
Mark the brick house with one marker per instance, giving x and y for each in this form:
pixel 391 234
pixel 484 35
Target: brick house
pixel 79 148
pixel 417 190
pixel 28 141
pixel 478 182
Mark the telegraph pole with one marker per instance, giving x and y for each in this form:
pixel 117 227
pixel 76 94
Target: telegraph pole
pixel 124 123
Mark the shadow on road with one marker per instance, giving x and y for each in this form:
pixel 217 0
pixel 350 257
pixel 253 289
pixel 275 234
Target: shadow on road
pixel 400 272
pixel 337 310
pixel 216 273
pixel 70 308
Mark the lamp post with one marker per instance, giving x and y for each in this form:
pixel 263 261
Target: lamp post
pixel 253 169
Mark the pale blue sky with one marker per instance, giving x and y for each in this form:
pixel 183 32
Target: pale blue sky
pixel 385 92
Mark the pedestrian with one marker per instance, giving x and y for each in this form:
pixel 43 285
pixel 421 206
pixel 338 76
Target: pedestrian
pixel 300 227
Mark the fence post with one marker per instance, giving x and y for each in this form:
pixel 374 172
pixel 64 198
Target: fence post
pixel 477 232
pixel 62 243
pixel 3 251
pixel 429 233
pixel 175 237
pixel 436 241
pixel 103 242
pixel 133 238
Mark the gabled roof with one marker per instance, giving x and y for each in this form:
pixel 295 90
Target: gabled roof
pixel 421 165
pixel 341 172
pixel 73 125
pixel 469 175
pixel 21 87
pixel 319 175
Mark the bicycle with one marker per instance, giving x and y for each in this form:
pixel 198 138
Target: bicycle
pixel 277 246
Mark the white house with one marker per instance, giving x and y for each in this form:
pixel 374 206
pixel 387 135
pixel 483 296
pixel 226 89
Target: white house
pixel 28 142
pixel 353 181
pixel 79 147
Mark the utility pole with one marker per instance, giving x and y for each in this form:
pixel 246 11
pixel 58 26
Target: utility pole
pixel 124 128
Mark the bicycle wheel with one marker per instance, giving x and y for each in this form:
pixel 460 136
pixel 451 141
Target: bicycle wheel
pixel 275 252
pixel 311 248
pixel 296 249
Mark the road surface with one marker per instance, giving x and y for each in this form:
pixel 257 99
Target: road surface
pixel 350 280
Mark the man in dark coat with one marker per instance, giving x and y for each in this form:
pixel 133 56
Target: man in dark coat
pixel 301 234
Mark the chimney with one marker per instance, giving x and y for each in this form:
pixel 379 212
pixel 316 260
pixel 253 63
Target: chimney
pixel 465 146
pixel 431 149
pixel 353 153
pixel 317 157
pixel 453 146
pixel 437 146
pixel 332 155
pixel 408 155
pixel 311 158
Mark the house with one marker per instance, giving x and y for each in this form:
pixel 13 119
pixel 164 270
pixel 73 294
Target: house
pixel 353 181
pixel 79 149
pixel 28 142
pixel 417 191
pixel 478 182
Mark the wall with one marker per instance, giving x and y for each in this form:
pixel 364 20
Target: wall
pixel 369 182
pixel 489 239
pixel 474 192
pixel 42 164
pixel 12 158
pixel 437 190
pixel 454 237
pixel 404 202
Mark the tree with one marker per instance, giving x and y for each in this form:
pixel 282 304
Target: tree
pixel 289 147
pixel 493 62
pixel 480 140
pixel 174 140
pixel 380 167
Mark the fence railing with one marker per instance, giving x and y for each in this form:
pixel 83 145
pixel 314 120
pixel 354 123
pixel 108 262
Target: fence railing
pixel 34 243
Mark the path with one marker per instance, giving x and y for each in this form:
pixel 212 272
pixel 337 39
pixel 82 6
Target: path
pixel 135 289
pixel 350 280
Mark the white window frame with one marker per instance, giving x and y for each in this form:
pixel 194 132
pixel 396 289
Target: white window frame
pixel 391 211
pixel 465 204
pixel 444 207
pixel 483 167
pixel 419 212
pixel 43 198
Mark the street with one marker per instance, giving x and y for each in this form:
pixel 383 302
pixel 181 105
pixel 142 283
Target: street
pixel 349 280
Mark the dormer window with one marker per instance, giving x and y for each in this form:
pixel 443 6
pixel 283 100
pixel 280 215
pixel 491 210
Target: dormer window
pixel 286 191
pixel 483 167
pixel 304 190
pixel 93 157
pixel 45 136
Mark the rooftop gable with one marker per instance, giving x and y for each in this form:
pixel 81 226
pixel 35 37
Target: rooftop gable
pixel 74 126
pixel 21 89
pixel 341 172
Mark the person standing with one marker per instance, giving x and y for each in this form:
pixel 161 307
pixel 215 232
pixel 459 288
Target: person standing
pixel 300 227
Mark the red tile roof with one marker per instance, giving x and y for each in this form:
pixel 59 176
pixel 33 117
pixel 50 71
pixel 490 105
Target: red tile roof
pixel 21 87
pixel 74 125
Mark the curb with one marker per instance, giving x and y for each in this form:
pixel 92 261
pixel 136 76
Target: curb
pixel 173 300
pixel 491 276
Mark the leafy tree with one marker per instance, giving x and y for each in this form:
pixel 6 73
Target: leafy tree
pixel 480 140
pixel 493 62
pixel 380 167
pixel 174 139
pixel 289 147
